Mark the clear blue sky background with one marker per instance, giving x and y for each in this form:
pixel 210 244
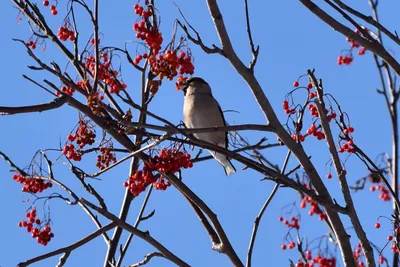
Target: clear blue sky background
pixel 291 39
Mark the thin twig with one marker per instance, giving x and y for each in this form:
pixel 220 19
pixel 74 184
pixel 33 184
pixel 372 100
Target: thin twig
pixel 147 258
pixel 261 213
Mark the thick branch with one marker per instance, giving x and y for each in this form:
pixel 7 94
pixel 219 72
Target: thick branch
pixel 362 236
pixel 248 76
pixel 369 20
pixel 56 103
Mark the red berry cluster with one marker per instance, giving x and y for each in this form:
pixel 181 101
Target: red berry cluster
pixel 93 102
pixel 291 245
pixel 107 75
pixel 311 95
pixel 347 60
pixel 147 32
pixel 107 156
pixel 84 135
pixel 169 64
pixel 357 254
pixel 287 109
pixel 315 209
pixel 384 195
pixel 67 90
pixel 170 161
pixel 92 41
pixel 348 130
pixel 293 224
pixel 83 84
pixel 66 34
pixel 139 181
pixel 317 261
pixel 348 147
pixel 395 248
pixel 302 138
pixel 32 185
pixel 139 10
pixel 314 112
pixel 315 132
pixel 71 153
pixel 32 44
pixel 167 161
pixel 53 9
pixel 42 236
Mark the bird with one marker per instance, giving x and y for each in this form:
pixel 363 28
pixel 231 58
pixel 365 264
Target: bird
pixel 201 110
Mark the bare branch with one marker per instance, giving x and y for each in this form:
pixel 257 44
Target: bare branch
pixel 147 258
pixel 56 103
pixel 261 213
pixel 139 219
pixel 254 50
pixel 197 40
pixel 63 259
pixel 369 20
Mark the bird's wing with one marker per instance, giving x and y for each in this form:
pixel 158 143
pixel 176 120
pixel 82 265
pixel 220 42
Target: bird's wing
pixel 223 119
pixel 204 111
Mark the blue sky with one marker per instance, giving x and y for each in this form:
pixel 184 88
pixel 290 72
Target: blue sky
pixel 291 40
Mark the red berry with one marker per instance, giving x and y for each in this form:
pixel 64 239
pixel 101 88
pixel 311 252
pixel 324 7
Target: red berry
pixel 71 137
pixel 291 245
pixel 329 176
pixel 54 12
pixel 45 3
pixel 377 225
pixel 296 83
pixel 283 247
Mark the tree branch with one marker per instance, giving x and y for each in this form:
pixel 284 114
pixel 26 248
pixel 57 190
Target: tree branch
pixel 56 103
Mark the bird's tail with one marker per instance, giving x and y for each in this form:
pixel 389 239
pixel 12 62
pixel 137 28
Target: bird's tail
pixel 224 162
pixel 229 168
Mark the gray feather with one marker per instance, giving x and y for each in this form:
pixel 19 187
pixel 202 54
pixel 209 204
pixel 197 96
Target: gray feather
pixel 201 110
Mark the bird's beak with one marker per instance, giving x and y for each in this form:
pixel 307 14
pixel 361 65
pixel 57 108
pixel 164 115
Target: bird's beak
pixel 182 85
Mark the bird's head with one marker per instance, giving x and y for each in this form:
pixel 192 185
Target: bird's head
pixel 195 85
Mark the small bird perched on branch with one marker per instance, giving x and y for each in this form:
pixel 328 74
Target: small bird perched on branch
pixel 201 110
